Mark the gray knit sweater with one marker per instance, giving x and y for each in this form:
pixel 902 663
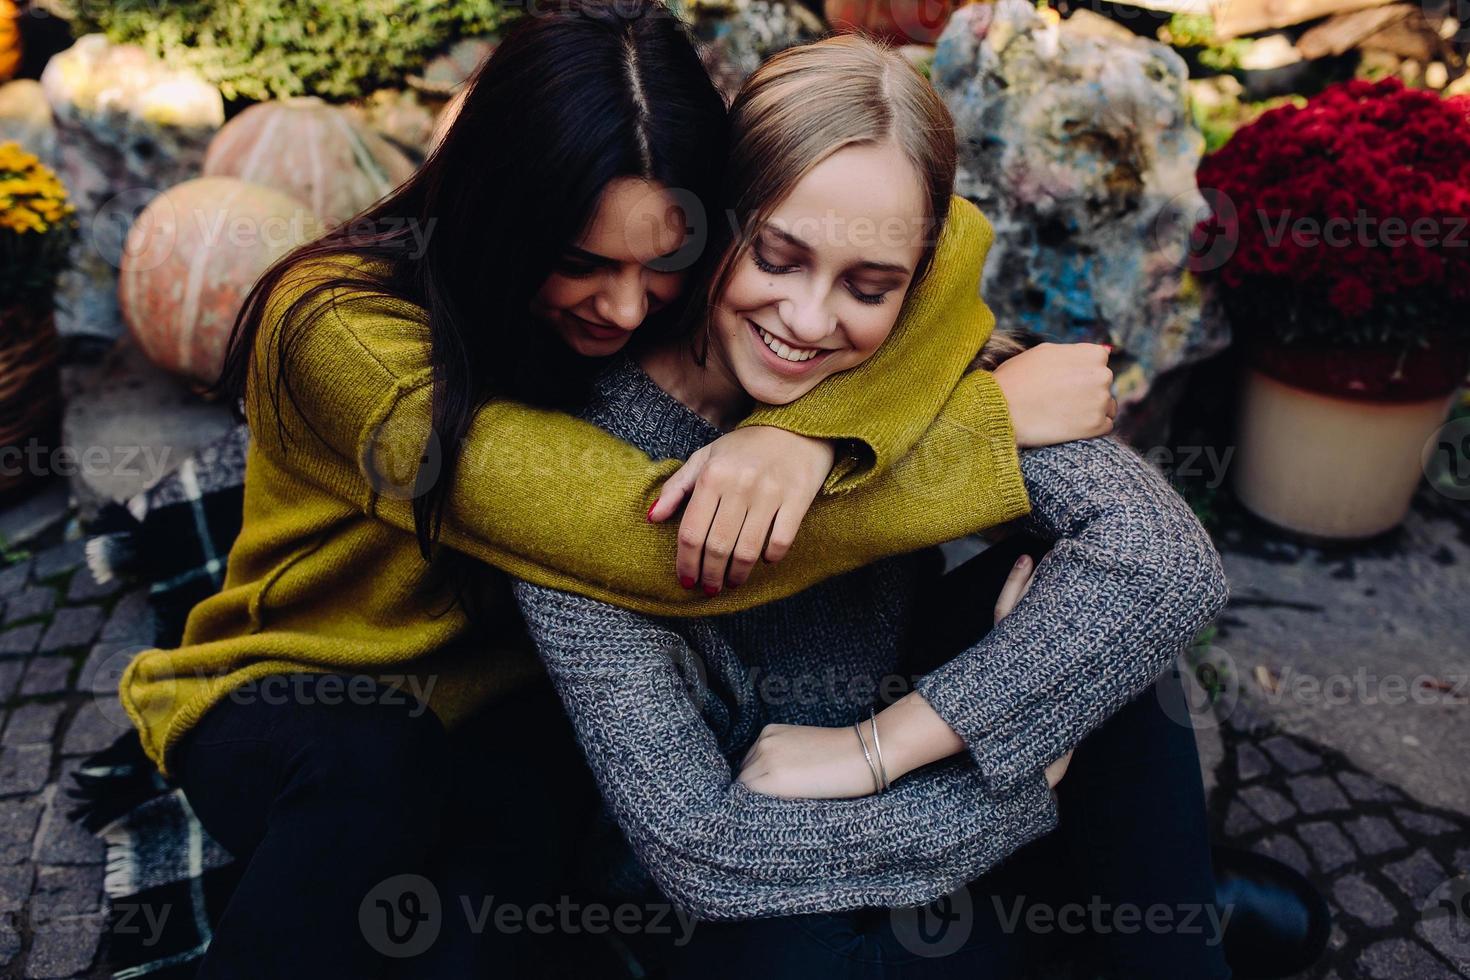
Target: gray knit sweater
pixel 665 708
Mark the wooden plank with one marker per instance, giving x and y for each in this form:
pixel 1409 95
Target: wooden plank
pixel 1344 32
pixel 1236 17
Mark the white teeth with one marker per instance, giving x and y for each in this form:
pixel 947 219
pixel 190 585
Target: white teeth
pixel 784 352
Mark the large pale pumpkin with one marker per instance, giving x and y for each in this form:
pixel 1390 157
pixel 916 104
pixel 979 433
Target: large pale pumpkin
pixel 312 151
pixel 190 259
pixel 9 40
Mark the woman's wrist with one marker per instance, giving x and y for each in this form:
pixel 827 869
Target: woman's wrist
pixel 914 735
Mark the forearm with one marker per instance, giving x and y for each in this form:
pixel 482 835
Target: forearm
pixel 1130 582
pixel 727 852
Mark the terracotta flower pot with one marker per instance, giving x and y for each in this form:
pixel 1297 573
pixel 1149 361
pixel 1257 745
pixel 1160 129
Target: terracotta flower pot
pixel 1330 442
pixel 30 394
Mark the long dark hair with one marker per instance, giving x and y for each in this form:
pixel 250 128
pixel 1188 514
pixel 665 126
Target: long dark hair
pixel 576 95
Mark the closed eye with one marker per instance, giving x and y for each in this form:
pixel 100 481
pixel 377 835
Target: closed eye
pixel 768 267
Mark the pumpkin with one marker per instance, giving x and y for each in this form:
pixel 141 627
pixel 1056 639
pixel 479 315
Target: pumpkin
pixel 312 151
pixel 190 259
pixel 897 22
pixel 9 40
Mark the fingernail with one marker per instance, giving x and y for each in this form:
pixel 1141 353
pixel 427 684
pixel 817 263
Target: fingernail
pixel 687 581
pixel 711 590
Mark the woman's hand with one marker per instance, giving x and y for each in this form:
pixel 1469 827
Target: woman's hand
pixel 1058 393
pixel 806 762
pixel 748 493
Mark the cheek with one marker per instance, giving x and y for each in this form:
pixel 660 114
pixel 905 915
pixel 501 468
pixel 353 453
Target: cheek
pixel 563 292
pixel 666 288
pixel 749 289
pixel 868 329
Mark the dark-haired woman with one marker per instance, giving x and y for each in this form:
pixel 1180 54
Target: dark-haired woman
pixel 358 703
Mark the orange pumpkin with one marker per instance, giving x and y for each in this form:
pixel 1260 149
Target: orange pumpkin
pixel 191 258
pixel 9 40
pixel 312 151
pixel 894 21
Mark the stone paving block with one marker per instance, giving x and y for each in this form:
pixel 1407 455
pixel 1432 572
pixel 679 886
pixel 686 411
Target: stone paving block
pixel 32 724
pixel 1366 789
pixel 1402 959
pixel 1358 898
pixel 36 600
pixel 103 668
pixel 10 671
pixel 65 947
pixel 71 627
pixel 14 577
pixel 15 886
pixel 66 891
pixel 1250 763
pixel 58 839
pixel 96 725
pixel 20 641
pixel 1374 835
pixel 18 822
pixel 9 939
pixel 1239 821
pixel 1328 845
pixel 46 675
pixel 1317 794
pixel 1417 875
pixel 1286 850
pixel 1291 756
pixel 59 559
pixel 84 586
pixel 24 768
pixel 1270 805
pixel 131 620
pixel 1423 823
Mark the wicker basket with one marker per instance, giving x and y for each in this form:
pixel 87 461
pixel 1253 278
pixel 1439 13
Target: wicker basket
pixel 30 394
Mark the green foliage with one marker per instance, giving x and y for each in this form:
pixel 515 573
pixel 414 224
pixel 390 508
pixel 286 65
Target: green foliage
pixel 1219 121
pixel 264 49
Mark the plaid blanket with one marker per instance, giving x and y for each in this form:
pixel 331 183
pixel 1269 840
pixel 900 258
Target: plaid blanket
pixel 174 537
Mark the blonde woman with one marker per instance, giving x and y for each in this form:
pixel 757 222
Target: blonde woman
pixel 744 757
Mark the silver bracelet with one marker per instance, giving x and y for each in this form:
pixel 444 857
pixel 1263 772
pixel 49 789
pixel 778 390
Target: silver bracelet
pixel 878 749
pixel 877 783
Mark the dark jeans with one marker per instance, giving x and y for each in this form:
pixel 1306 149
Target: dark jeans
pixel 371 839
pixel 1125 882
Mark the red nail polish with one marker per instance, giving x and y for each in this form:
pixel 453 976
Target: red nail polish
pixel 687 581
pixel 711 590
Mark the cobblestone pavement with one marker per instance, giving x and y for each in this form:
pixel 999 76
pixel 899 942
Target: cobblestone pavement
pixel 1379 853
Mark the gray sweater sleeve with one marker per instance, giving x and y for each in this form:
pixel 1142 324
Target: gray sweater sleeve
pixel 1129 583
pixel 722 851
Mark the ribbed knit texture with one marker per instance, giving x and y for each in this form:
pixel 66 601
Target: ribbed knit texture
pixel 665 708
pixel 326 573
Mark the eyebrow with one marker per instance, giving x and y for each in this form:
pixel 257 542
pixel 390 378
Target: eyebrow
pixel 592 258
pixel 795 242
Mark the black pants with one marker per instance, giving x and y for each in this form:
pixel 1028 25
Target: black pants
pixel 1124 884
pixel 374 844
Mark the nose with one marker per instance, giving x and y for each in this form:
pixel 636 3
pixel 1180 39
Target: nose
pixel 807 317
pixel 624 303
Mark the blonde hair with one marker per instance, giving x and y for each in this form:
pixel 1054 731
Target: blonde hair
pixel 808 102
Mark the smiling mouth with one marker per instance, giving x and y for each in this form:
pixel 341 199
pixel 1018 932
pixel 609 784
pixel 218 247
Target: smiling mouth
pixel 783 350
